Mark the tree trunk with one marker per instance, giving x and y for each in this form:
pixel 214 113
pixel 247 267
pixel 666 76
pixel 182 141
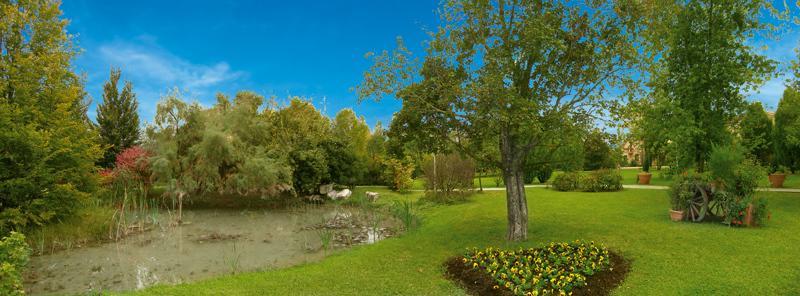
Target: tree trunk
pixel 516 201
pixel 517 204
pixel 480 183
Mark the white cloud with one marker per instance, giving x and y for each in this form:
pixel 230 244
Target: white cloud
pixel 154 70
pixel 146 62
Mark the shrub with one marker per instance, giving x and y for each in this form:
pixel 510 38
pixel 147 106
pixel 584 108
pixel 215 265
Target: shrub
pixel 398 174
pixel 737 177
pixel 760 211
pixel 544 174
pixel 603 180
pixel 14 254
pixel 556 269
pixel 567 181
pixel 683 188
pixel 451 175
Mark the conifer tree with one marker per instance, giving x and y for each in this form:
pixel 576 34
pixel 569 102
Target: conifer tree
pixel 118 122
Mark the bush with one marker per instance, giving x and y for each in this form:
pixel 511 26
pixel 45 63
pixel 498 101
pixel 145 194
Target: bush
pixel 603 180
pixel 14 255
pixel 556 269
pixel 452 175
pixel 568 181
pixel 544 174
pixel 398 174
pixel 683 188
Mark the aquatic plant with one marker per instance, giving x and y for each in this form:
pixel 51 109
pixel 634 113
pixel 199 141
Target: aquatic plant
pixel 233 261
pixel 325 237
pixel 406 212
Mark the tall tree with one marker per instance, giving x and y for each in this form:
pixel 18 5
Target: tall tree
pixel 513 74
pixel 353 132
pixel 117 118
pixel 598 153
pixel 787 129
pixel 47 150
pixel 755 131
pixel 708 65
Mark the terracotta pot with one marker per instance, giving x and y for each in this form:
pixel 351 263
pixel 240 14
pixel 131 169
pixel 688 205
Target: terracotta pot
pixel 749 220
pixel 644 178
pixel 676 215
pixel 777 179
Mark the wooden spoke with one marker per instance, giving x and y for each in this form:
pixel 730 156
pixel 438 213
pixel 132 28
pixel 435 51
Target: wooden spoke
pixel 698 206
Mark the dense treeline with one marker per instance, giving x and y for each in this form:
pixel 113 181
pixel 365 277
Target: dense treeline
pixel 48 148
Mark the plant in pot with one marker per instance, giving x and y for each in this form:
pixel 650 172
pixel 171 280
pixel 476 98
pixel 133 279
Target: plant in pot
pixel 644 176
pixel 680 193
pixel 778 176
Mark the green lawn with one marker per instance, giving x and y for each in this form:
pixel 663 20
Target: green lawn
pixel 667 257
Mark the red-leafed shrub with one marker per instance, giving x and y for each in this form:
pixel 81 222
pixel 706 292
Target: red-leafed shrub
pixel 134 159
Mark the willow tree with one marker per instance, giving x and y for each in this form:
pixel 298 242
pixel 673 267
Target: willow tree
pixel 516 74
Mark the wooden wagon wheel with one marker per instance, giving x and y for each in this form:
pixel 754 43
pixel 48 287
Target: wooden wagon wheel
pixel 715 207
pixel 698 205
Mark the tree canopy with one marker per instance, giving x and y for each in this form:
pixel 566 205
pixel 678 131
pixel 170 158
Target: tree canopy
pixel 511 74
pixel 707 66
pixel 47 148
pixel 117 118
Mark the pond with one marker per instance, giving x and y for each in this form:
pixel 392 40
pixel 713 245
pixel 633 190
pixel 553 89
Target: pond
pixel 210 243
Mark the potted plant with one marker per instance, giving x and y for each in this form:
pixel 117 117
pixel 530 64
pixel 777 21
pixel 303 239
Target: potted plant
pixel 644 176
pixel 680 193
pixel 778 176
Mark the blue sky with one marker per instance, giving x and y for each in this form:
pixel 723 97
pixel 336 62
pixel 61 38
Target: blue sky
pixel 311 49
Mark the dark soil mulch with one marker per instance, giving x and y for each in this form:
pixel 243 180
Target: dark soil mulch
pixel 476 282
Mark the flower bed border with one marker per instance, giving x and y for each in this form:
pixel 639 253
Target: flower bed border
pixel 477 282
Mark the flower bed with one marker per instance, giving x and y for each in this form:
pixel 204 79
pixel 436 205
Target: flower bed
pixel 575 268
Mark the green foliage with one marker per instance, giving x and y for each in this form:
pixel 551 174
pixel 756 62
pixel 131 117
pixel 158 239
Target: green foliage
pixel 117 118
pixel 489 81
pixel 707 67
pixel 598 153
pixel 603 180
pixel 398 174
pixel 755 131
pixel 376 152
pixel 568 181
pixel 723 162
pixel 556 269
pixel 310 169
pixel 222 149
pixel 683 189
pixel 14 253
pixel 407 212
pixel 537 171
pixel 737 177
pixel 787 130
pixel 760 210
pixel 544 173
pixel 47 147
pixel 354 133
pixel 344 166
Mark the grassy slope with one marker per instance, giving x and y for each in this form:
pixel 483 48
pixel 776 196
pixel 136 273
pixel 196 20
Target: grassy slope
pixel 668 258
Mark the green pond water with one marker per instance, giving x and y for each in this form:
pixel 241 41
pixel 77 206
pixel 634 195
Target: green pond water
pixel 210 243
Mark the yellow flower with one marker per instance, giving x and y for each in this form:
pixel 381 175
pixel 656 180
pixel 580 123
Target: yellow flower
pixel 496 287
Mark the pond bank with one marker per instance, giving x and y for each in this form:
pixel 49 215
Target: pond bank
pixel 211 243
